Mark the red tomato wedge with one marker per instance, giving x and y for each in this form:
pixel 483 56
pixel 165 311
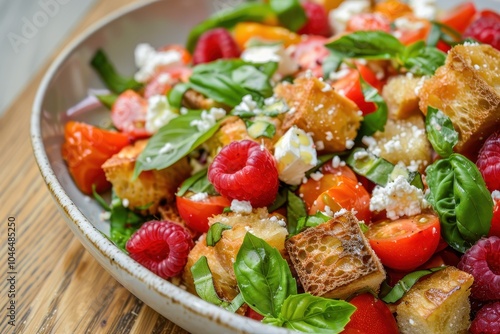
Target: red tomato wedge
pixel 85 149
pixel 405 243
pixel 372 316
pixel 129 114
pixel 344 193
pixel 196 213
pixel 460 17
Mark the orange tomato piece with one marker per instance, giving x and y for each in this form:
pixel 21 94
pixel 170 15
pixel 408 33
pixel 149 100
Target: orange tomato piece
pixel 393 9
pixel 245 31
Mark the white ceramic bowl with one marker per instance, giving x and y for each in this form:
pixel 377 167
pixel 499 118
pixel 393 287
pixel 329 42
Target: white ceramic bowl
pixel 66 83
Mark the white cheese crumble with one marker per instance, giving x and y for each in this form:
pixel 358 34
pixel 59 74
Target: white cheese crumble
pixel 271 53
pixel 495 195
pixel 275 219
pixel 159 113
pixel 198 197
pixel 148 60
pixel 424 9
pixel 241 206
pixel 208 119
pixel 399 198
pixel 295 155
pixel 404 23
pixel 339 17
pixel 316 176
pixel 125 202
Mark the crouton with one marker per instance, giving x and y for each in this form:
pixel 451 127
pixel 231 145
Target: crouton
pixel 467 89
pixel 316 108
pixel 437 305
pixel 194 100
pixel 400 94
pixel 152 188
pixel 334 259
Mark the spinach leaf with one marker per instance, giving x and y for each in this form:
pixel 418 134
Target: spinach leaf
pixel 214 233
pixel 460 197
pixel 263 276
pixel 290 13
pixel 296 209
pixel 440 132
pixel 247 12
pixel 392 295
pixel 204 285
pixel 376 120
pixel 311 314
pixel 368 45
pixel 115 83
pixel 173 142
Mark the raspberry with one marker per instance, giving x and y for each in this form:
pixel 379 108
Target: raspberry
pixel 215 44
pixel 317 20
pixel 488 161
pixel 483 262
pixel 161 246
pixel 245 171
pixel 485 29
pixel 487 320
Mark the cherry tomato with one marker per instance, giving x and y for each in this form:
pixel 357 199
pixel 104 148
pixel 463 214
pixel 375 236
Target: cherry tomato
pixel 371 316
pixel 368 21
pixel 196 213
pixel 419 32
pixel 310 190
pixel 253 315
pixel 393 9
pixel 344 193
pixel 495 221
pixel 129 114
pixel 85 149
pixel 244 31
pixel 459 17
pixel 406 243
pixel 350 86
pixel 310 54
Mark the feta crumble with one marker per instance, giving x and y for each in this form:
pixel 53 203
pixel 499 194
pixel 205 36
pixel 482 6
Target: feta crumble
pixel 271 53
pixel 241 206
pixel 159 113
pixel 198 197
pixel 148 60
pixel 339 17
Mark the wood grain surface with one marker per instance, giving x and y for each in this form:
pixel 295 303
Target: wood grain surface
pixel 59 287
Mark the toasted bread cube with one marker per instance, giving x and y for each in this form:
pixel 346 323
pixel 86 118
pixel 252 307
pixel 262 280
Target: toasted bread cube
pixel 317 109
pixel 222 256
pixel 404 141
pixel 334 259
pixel 152 187
pixel 400 95
pixel 467 89
pixel 437 305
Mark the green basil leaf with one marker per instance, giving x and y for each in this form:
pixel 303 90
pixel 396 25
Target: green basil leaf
pixel 311 221
pixel 440 132
pixel 107 100
pixel 322 159
pixel 457 193
pixel 247 12
pixel 204 285
pixel 376 120
pixel 290 13
pixel 404 285
pixel 311 314
pixel 181 137
pixel 186 185
pixel 440 31
pixel 331 63
pixel 421 59
pixel 281 199
pixel 123 222
pixel 368 45
pixel 115 83
pixel 263 276
pixel 363 227
pixel 197 183
pixel 214 233
pixel 253 80
pixel 176 94
pixel 296 209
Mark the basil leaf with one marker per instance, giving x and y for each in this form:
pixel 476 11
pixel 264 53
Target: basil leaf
pixel 311 314
pixel 253 80
pixel 186 185
pixel 376 120
pixel 440 31
pixel 295 210
pixel 404 285
pixel 263 276
pixel 281 199
pixel 181 138
pixel 440 132
pixel 363 227
pixel 107 100
pixel 290 13
pixel 176 94
pixel 115 83
pixel 421 59
pixel 460 197
pixel 368 45
pixel 214 233
pixel 331 63
pixel 311 221
pixel 247 12
pixel 204 285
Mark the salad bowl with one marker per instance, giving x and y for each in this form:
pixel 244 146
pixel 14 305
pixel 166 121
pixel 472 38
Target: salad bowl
pixel 65 84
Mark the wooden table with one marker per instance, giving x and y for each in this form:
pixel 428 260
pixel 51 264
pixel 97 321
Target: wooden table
pixel 59 287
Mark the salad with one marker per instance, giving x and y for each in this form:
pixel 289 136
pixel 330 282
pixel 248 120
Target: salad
pixel 324 166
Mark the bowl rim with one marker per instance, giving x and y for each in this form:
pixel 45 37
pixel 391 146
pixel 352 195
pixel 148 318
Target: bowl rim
pixel 174 294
